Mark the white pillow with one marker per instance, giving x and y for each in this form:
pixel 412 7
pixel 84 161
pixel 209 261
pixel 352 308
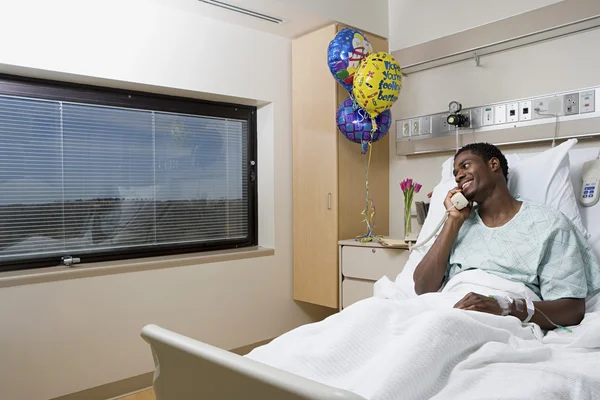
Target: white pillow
pixel 546 179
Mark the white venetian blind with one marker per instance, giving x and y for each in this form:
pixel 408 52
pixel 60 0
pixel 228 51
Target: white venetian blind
pixel 78 179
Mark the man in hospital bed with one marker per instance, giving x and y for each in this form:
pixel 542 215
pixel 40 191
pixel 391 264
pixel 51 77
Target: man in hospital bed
pixel 455 341
pixel 516 240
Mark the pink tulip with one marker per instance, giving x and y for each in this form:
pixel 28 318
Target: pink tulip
pixel 403 186
pixel 409 183
pixel 418 187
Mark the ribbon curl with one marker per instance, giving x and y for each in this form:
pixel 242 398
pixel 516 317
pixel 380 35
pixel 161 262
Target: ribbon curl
pixel 369 211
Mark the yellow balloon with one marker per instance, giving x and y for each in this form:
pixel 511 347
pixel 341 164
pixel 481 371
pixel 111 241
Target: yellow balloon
pixel 377 83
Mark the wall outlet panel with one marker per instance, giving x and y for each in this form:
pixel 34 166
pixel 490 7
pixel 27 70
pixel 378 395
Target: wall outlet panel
pixel 476 118
pixel 572 104
pixel 425 126
pixel 415 127
pixel 488 116
pixel 500 114
pixel 548 107
pixel 444 122
pixel 575 104
pixel 406 129
pixel 587 101
pixel 512 112
pixel 525 110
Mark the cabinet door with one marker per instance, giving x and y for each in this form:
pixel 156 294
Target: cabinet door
pixel 314 171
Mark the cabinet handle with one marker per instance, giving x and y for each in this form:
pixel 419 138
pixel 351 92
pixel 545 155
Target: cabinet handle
pixel 373 250
pixel 329 201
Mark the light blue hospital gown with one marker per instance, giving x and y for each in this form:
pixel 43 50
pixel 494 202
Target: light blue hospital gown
pixel 539 246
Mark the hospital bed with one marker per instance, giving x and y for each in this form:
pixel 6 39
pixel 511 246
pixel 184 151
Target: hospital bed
pixel 189 369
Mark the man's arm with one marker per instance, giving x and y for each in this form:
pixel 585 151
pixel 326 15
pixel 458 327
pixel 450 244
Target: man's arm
pixel 564 312
pixel 429 274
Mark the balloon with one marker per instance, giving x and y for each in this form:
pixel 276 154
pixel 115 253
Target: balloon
pixel 345 52
pixel 355 124
pixel 377 83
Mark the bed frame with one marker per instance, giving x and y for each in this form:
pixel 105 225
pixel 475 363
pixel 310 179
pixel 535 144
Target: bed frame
pixel 187 369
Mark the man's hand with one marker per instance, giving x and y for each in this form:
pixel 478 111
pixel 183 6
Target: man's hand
pixel 458 215
pixel 478 302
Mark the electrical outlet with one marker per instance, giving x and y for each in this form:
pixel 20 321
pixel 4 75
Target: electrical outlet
pixel 415 127
pixel 512 112
pixel 572 104
pixel 587 101
pixel 500 114
pixel 488 116
pixel 525 111
pixel 405 128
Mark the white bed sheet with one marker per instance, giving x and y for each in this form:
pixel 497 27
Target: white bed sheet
pixel 422 348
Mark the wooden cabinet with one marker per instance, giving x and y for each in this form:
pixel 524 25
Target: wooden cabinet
pixel 362 264
pixel 328 172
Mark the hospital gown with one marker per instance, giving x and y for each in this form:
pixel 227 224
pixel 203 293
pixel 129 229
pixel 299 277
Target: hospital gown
pixel 539 246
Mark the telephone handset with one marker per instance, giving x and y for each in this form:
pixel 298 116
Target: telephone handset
pixel 459 201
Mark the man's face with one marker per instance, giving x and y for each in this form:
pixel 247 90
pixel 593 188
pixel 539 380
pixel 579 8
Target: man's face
pixel 472 174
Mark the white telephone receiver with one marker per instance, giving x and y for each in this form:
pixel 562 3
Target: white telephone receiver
pixel 590 174
pixel 459 201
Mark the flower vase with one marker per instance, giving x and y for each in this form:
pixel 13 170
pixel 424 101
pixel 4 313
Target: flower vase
pixel 407 221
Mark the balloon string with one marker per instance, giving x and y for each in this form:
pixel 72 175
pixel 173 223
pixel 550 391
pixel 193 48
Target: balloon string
pixel 369 210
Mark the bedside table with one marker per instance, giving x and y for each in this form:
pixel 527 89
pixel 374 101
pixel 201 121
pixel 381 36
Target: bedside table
pixel 362 264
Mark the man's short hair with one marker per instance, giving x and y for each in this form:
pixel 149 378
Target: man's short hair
pixel 487 151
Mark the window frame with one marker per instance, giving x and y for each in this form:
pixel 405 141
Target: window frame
pixel 104 96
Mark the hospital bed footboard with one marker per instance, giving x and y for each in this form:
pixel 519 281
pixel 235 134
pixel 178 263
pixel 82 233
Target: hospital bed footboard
pixel 187 369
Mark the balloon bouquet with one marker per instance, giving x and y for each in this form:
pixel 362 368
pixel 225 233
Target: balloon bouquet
pixel 373 81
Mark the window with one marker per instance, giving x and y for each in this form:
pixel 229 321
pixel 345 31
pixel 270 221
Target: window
pixel 100 174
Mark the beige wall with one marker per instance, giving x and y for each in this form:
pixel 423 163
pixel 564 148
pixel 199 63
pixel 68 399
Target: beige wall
pixel 62 337
pixel 557 65
pixel 414 22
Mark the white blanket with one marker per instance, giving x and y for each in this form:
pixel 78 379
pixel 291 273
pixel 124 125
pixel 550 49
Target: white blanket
pixel 386 347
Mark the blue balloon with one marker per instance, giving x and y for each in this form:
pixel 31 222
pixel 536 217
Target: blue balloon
pixel 355 124
pixel 344 54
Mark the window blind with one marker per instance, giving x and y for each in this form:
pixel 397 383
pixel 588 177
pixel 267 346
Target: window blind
pixel 80 179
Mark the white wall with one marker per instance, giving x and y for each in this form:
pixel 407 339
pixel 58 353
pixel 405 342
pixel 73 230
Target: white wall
pixel 370 15
pixel 62 337
pixel 414 22
pixel 529 71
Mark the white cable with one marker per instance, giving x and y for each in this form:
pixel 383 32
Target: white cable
pixel 437 228
pixel 556 124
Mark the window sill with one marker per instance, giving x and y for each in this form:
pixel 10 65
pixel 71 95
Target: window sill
pixel 61 273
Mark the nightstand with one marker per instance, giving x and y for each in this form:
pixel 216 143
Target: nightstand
pixel 362 264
